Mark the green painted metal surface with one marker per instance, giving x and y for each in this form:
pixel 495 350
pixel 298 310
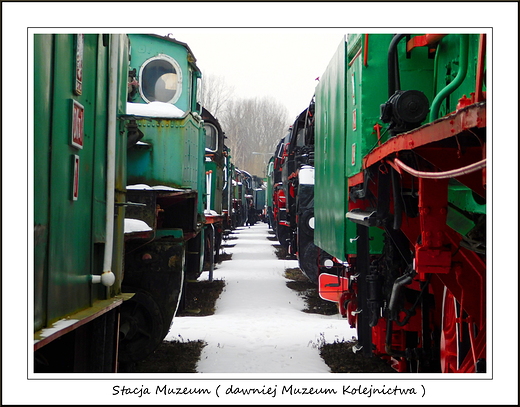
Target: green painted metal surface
pixel 464 198
pixel 448 63
pixel 145 47
pixel 269 185
pixel 70 232
pixel 226 188
pixel 367 89
pixel 173 149
pixel 43 66
pixel 215 190
pixel 70 262
pixel 330 195
pixel 463 204
pixel 348 103
pixel 172 155
pixel 170 233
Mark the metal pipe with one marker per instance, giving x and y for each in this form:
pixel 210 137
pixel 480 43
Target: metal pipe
pixel 212 253
pixel 398 204
pixel 208 189
pixel 393 65
pixel 442 175
pixel 365 56
pixel 108 277
pixel 225 173
pixel 461 75
pixel 388 342
pixel 399 283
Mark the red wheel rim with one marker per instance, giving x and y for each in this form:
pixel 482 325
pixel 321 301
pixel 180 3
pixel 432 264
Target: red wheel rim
pixel 449 334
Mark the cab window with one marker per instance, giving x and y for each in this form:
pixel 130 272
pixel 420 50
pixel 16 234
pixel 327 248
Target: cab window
pixel 161 80
pixel 211 137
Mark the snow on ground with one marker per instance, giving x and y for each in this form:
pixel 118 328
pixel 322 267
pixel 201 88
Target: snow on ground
pixel 258 325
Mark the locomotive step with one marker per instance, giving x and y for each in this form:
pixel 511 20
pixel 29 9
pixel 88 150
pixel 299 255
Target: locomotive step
pixel 365 218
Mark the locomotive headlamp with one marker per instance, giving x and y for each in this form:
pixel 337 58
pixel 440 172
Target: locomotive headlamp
pixel 160 79
pixel 405 110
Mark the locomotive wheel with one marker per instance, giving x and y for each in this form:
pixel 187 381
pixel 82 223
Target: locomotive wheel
pixel 306 223
pixel 217 244
pixel 308 256
pixel 449 334
pixel 454 343
pixel 284 234
pixel 194 258
pixel 142 328
pixel 209 250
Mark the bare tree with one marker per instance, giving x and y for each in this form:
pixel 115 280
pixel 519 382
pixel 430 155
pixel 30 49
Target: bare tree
pixel 215 93
pixel 254 125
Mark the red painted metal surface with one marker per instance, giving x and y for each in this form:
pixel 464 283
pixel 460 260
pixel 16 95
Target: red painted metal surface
pixel 423 41
pixel 446 159
pixel 479 94
pixel 356 179
pixel 473 116
pixel 431 254
pixel 439 255
pixel 331 286
pixel 214 218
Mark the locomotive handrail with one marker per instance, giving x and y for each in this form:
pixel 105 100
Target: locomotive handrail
pixel 461 75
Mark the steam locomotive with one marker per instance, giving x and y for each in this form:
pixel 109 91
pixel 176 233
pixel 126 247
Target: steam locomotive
pixel 292 184
pixel 131 192
pixel 398 155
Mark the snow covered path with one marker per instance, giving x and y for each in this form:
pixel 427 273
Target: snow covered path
pixel 258 326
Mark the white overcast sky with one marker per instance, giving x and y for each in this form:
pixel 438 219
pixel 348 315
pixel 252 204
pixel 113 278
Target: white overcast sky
pixel 282 63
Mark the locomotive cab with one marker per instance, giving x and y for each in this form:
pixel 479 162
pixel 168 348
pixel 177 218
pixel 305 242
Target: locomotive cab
pixel 166 189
